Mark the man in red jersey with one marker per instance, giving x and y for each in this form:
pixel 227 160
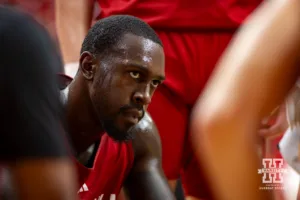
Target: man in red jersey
pixel 194 34
pixel 121 64
pixel 254 76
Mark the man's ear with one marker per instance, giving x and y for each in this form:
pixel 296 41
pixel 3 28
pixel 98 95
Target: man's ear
pixel 87 65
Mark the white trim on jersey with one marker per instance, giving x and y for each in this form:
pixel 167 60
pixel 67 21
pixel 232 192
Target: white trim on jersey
pixel 84 188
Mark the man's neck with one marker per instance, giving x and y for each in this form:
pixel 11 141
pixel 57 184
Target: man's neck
pixel 83 126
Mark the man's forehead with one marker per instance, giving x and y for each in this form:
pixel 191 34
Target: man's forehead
pixel 139 50
pixel 138 46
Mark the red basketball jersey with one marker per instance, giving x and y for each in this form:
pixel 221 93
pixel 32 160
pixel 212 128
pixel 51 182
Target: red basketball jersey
pixel 111 167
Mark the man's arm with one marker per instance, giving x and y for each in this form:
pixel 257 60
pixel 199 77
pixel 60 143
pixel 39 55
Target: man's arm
pixel 73 19
pixel 45 178
pixel 146 180
pixel 252 78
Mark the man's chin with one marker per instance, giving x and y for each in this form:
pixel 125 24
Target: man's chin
pixel 119 133
pixel 121 137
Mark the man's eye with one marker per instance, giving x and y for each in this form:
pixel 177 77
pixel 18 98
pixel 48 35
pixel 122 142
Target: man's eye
pixel 135 75
pixel 155 83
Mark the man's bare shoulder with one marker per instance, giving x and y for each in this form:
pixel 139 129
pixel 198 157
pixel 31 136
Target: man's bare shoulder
pixel 146 137
pixel 146 125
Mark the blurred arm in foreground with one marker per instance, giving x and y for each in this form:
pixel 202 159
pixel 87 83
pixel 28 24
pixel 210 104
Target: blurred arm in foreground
pixel 253 77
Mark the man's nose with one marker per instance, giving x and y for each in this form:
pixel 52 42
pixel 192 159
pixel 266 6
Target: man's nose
pixel 142 97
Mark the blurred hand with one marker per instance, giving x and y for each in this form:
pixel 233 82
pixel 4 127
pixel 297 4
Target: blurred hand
pixel 275 124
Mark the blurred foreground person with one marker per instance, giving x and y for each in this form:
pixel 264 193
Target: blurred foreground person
pixel 253 77
pixel 32 147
